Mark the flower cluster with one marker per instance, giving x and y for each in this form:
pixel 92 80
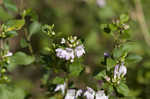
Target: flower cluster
pixel 74 49
pixel 119 71
pixel 89 93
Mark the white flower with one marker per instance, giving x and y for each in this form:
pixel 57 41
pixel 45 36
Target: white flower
pixel 8 54
pixel 101 3
pixel 71 94
pixel 79 51
pixel 61 87
pixel 90 93
pixel 78 93
pixel 101 95
pixel 63 41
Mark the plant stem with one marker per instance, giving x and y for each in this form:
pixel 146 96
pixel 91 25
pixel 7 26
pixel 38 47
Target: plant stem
pixel 1 44
pixel 141 20
pixel 29 45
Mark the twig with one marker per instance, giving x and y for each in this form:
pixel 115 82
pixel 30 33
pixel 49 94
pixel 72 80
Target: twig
pixel 29 45
pixel 1 44
pixel 141 20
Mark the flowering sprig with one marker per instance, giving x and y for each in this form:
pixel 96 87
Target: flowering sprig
pixel 113 77
pixel 65 52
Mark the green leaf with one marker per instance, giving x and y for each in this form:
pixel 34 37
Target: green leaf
pixel 112 27
pixel 11 92
pixel 125 35
pixel 124 18
pixel 146 64
pixel 31 13
pixel 100 75
pixel 123 89
pixel 133 58
pixel 11 33
pixel 117 53
pixel 110 89
pixel 21 58
pixel 34 28
pixel 58 80
pixel 129 46
pixel 110 63
pixel 15 24
pixel 140 77
pixel 75 69
pixel 23 43
pixel 147 76
pixel 4 15
pixel 10 5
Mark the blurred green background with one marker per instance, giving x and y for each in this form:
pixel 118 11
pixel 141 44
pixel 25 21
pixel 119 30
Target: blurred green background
pixel 82 18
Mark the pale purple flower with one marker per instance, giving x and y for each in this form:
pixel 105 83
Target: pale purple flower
pixel 78 93
pixel 61 53
pixel 71 94
pixel 90 93
pixel 101 3
pixel 67 54
pixel 79 51
pixel 122 70
pixel 101 95
pixel 106 54
pixel 116 71
pixel 8 54
pixel 119 71
pixel 61 87
pixel 63 41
